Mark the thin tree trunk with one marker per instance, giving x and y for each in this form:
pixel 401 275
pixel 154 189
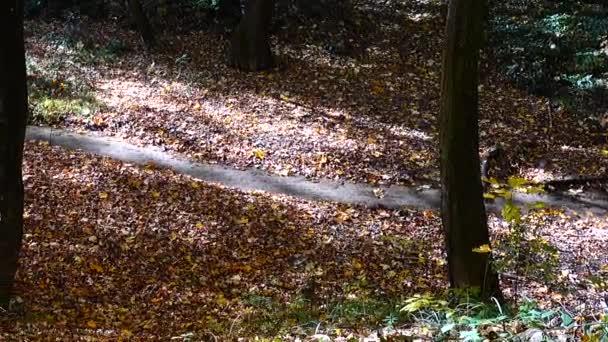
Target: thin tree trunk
pixel 250 44
pixel 143 25
pixel 463 212
pixel 13 117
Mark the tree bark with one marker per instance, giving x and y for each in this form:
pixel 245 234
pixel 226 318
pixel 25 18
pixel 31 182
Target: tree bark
pixel 250 44
pixel 143 25
pixel 13 118
pixel 462 208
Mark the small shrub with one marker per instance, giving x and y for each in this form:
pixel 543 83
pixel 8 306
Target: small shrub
pixel 523 251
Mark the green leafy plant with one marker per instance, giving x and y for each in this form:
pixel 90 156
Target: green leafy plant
pixel 206 4
pixel 523 250
pixel 553 48
pixel 53 96
pixel 477 321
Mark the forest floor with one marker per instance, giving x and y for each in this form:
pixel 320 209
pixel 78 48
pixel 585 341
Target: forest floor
pixel 366 115
pixel 113 250
pixel 119 251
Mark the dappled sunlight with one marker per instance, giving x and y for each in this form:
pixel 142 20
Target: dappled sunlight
pixel 365 114
pixel 297 136
pixel 365 118
pixel 322 128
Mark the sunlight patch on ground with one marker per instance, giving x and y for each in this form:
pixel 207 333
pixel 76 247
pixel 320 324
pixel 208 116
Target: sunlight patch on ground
pixel 125 93
pixel 253 121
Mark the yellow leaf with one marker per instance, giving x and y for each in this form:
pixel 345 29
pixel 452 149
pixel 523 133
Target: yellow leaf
pixel 96 267
pixel 322 159
pixel 260 154
pixel 92 324
pixel 103 195
pixel 489 196
pixel 197 106
pixel 371 140
pixel 357 264
pixel 342 217
pixel 155 194
pixel 221 301
pixel 194 185
pixel 377 89
pixel 605 152
pixel 243 220
pixel 483 249
pixel 199 225
pixel 135 184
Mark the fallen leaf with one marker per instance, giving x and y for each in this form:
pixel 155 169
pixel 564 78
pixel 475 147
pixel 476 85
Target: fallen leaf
pixel 482 249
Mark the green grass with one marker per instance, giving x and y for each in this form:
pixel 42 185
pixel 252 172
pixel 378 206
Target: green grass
pixel 272 318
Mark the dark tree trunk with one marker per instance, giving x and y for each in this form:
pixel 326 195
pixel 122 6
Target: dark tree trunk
pixel 143 25
pixel 462 208
pixel 13 118
pixel 250 44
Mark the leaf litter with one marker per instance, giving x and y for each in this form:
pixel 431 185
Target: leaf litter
pixel 369 115
pixel 113 250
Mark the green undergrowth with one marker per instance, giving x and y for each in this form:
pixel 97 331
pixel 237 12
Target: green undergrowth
pixel 445 317
pixel 60 85
pixel 558 49
pixel 301 317
pixel 471 320
pixel 78 46
pixel 522 248
pixel 53 95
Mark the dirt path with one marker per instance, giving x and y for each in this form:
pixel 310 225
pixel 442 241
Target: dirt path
pixel 252 179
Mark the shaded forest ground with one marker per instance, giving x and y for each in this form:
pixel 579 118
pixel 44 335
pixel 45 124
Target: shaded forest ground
pixel 114 250
pixel 357 101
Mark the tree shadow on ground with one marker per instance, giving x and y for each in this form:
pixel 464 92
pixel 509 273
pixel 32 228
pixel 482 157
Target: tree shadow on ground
pixel 126 250
pixel 113 250
pixel 321 96
pixel 370 116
